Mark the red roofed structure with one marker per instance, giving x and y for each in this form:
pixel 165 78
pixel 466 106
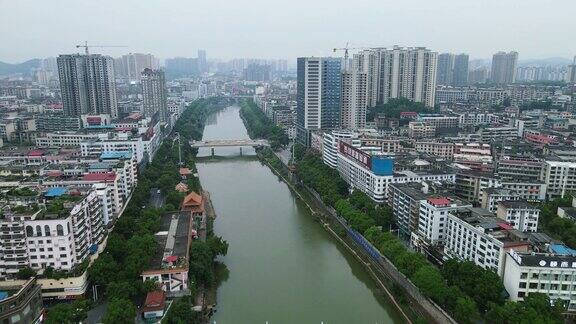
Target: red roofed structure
pixel 101 176
pixel 154 304
pixel 171 258
pixel 35 153
pixel 505 226
pixel 185 171
pixel 194 203
pixel 439 201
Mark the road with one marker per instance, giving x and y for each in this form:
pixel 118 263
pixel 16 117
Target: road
pixel 285 154
pixel 96 314
pixel 157 198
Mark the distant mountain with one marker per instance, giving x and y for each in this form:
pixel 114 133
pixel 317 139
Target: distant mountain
pixel 551 61
pixel 24 67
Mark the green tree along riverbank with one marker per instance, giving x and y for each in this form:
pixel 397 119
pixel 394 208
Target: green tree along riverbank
pixel 466 291
pixel 131 245
pixel 259 126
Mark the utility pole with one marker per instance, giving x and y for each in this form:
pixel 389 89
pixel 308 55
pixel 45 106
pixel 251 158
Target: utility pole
pixel 179 150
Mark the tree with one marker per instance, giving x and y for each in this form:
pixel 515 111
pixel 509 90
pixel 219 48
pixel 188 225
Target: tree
pixel 382 215
pixel 465 311
pixel 534 309
pixel 60 313
pixel 68 313
pixel 217 245
pixel 121 290
pixel 104 270
pixel 120 311
pixel 483 285
pixel 408 263
pixel 394 107
pixel 201 259
pixel 25 273
pixel 181 312
pixel 150 285
pixel 429 280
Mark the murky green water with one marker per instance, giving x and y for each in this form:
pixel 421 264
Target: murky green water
pixel 284 268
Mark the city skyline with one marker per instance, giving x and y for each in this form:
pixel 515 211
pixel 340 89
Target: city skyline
pixel 236 28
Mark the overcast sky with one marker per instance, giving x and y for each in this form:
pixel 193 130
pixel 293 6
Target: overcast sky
pixel 285 29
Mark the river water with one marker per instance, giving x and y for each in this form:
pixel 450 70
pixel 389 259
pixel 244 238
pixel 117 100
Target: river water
pixel 283 266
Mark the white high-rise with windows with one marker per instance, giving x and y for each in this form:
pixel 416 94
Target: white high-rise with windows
pixel 408 73
pixel 354 100
pixel 504 67
pixel 368 62
pixel 154 94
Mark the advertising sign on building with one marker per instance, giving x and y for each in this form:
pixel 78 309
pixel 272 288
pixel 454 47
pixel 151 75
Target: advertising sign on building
pixel 356 154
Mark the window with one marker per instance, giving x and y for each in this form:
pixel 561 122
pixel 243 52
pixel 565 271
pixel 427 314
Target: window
pixel 29 231
pixel 60 230
pixel 46 230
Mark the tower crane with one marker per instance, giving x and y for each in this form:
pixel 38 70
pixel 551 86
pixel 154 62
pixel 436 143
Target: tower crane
pixel 346 49
pixel 86 46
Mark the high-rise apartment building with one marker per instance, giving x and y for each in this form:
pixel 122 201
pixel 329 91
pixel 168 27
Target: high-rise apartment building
pixel 504 67
pixel 318 95
pixel 460 73
pixel 181 67
pixel 445 69
pixel 354 99
pixel 408 73
pixel 478 75
pixel 368 62
pixel 571 73
pixel 255 72
pixel 202 64
pixel 130 66
pixel 87 84
pixel 154 93
pixel 452 69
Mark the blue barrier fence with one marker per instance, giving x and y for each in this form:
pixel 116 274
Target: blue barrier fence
pixel 369 248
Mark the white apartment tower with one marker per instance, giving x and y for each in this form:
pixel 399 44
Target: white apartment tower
pixel 368 62
pixel 408 73
pixel 130 66
pixel 504 67
pixel 354 100
pixel 154 93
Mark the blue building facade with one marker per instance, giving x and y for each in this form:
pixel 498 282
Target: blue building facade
pixel 318 95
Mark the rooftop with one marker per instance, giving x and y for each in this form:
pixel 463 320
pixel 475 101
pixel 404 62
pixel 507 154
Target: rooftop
pixel 562 249
pixel 517 204
pixel 155 301
pixel 172 240
pixel 502 231
pixel 116 155
pixel 104 176
pixel 55 192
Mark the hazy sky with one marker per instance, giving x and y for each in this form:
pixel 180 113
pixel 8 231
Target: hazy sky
pixel 285 29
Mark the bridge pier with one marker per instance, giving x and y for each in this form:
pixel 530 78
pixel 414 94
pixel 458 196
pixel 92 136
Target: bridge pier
pixel 212 150
pixel 240 150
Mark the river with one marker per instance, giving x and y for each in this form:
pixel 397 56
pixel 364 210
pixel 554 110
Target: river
pixel 283 266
